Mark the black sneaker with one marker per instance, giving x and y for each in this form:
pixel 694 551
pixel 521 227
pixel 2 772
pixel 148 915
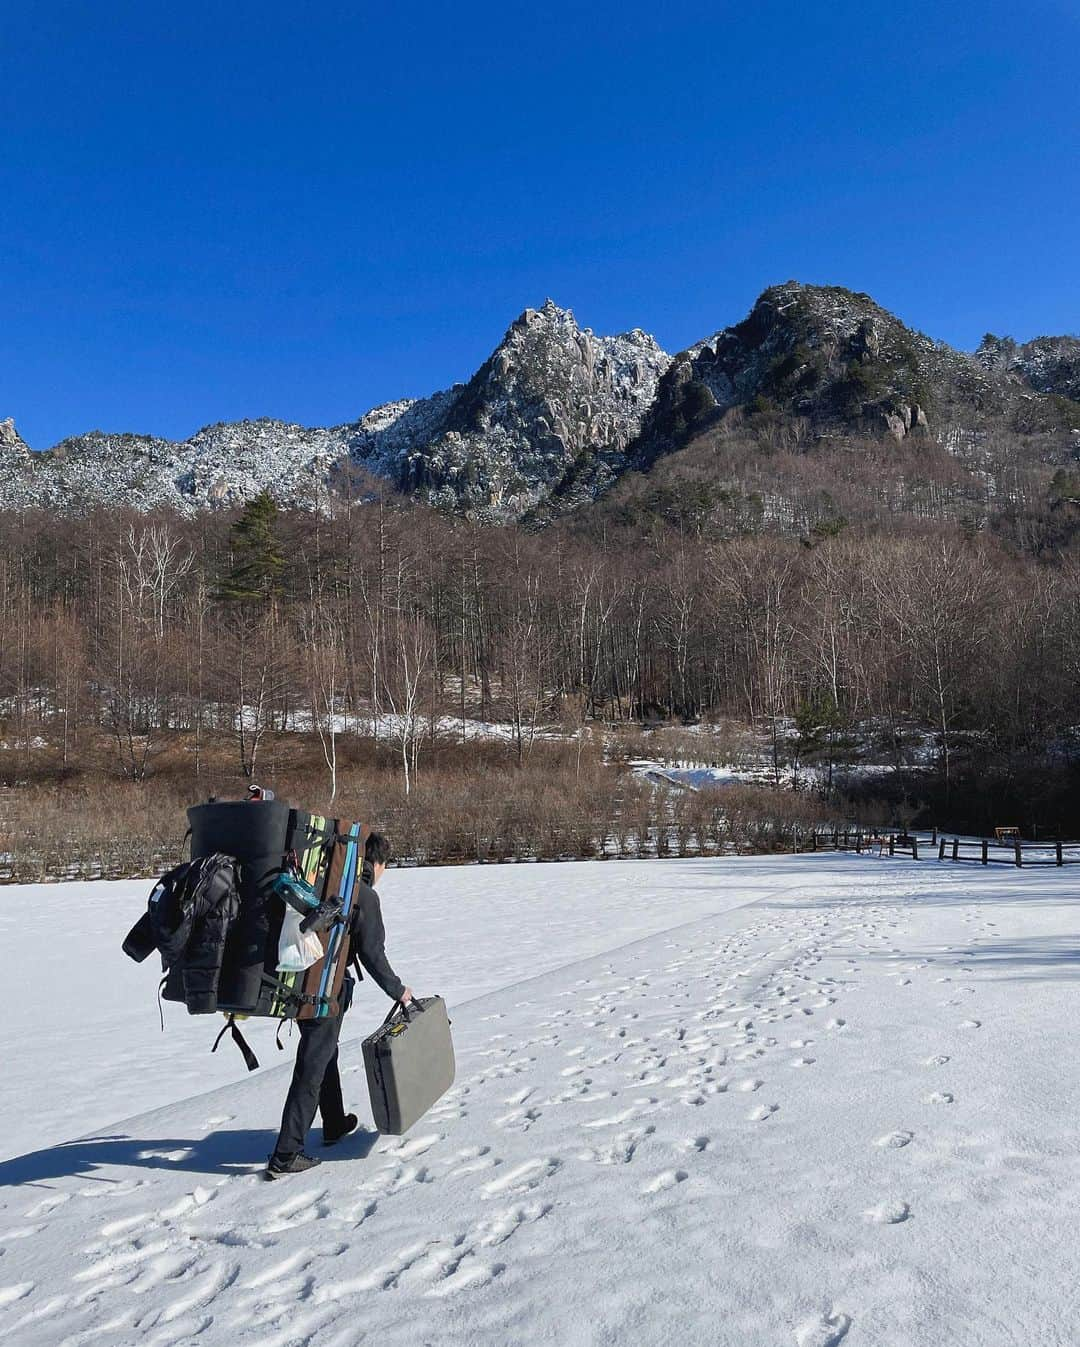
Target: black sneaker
pixel 331 1135
pixel 280 1165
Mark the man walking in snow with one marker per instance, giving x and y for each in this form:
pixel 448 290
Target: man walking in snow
pixel 316 1082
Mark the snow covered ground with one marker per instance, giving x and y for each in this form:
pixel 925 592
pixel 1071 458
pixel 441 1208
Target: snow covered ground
pixel 804 1100
pixel 759 773
pixel 462 931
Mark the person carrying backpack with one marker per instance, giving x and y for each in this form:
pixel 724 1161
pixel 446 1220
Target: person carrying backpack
pixel 316 1083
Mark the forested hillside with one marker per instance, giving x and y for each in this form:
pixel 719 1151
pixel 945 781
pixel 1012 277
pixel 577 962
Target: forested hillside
pixel 923 665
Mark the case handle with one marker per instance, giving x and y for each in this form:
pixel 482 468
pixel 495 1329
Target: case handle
pixel 404 1006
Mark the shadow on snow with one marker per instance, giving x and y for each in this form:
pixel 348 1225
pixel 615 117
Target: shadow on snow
pixel 227 1152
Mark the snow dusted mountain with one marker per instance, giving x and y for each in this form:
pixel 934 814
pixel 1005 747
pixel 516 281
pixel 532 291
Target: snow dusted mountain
pixel 550 397
pixel 839 365
pixel 1047 364
pixel 556 414
pixel 550 393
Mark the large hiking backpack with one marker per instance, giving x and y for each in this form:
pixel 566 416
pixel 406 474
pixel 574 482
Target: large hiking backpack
pixel 267 838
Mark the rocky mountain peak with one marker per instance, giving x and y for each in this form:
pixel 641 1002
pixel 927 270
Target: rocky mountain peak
pixel 12 447
pixel 831 358
pixel 550 393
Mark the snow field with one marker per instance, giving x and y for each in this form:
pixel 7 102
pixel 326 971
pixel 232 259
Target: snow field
pixel 841 1114
pixel 82 1032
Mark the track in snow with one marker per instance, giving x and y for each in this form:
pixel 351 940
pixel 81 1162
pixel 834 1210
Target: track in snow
pixel 773 1126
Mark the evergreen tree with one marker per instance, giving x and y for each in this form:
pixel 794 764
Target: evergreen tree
pixel 257 568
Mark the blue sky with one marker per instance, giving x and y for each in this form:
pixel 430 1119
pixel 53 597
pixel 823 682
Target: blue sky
pixel 211 211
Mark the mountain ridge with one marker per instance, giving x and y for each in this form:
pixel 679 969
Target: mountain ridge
pixel 557 414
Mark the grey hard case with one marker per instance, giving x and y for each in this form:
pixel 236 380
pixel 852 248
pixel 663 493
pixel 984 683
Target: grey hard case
pixel 409 1062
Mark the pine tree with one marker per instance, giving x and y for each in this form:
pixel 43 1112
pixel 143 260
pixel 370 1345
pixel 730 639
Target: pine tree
pixel 257 569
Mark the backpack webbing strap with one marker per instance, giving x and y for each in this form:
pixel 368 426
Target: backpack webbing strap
pixel 354 961
pixel 231 1027
pixel 288 994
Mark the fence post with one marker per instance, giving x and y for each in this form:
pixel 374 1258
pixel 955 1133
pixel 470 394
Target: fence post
pixel 914 848
pixel 836 839
pixel 941 850
pixel 1060 858
pixel 1019 853
pixel 933 840
pixel 892 844
pixel 813 840
pixel 956 848
pixel 985 849
pixel 795 847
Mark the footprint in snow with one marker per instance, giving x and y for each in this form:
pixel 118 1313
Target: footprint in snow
pixel 890 1212
pixel 498 1230
pixel 939 1097
pixel 198 1197
pixel 522 1119
pixel 939 1059
pixel 620 1151
pixel 617 1119
pixel 522 1179
pixel 408 1150
pixel 824 1330
pixel 836 1024
pixel 470 1161
pixel 670 1178
pixel 894 1140
pixel 971 1024
pixel 46 1205
pixel 765 1111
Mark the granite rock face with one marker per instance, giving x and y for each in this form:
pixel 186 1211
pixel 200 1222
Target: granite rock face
pixel 13 452
pixel 551 397
pixel 830 362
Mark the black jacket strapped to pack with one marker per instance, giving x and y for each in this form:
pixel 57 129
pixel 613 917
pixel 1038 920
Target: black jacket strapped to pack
pixel 188 918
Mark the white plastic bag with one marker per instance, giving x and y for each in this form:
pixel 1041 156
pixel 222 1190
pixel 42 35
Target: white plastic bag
pixel 297 949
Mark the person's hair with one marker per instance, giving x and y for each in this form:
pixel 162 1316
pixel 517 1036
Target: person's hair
pixel 377 849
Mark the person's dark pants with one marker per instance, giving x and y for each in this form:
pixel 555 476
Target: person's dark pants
pixel 315 1083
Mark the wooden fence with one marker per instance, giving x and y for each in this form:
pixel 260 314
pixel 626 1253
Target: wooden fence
pixel 973 851
pixel 860 840
pixel 989 851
